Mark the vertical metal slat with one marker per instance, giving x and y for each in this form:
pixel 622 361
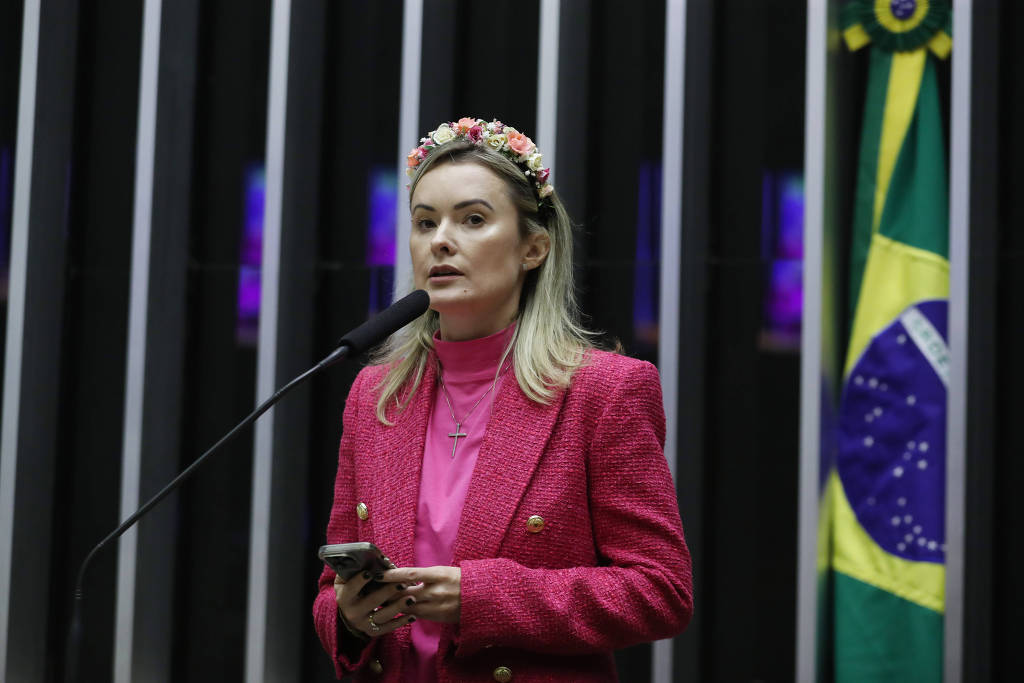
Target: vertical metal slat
pixel 131 456
pixel 266 367
pixel 16 309
pixel 673 124
pixel 959 295
pixel 811 339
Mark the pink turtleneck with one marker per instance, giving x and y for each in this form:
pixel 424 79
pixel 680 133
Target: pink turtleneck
pixel 468 369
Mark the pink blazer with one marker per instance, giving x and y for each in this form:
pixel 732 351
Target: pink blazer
pixel 606 568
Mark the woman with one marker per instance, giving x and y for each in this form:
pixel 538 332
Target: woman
pixel 513 473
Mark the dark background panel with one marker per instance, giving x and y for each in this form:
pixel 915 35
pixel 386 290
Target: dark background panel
pixel 752 391
pixel 10 69
pixel 101 175
pixel 479 60
pixel 1007 514
pixel 621 212
pixel 363 57
pixel 220 361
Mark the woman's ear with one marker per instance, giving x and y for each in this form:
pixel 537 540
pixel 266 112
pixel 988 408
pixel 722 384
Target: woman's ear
pixel 537 245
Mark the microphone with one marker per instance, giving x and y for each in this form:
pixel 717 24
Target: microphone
pixel 370 333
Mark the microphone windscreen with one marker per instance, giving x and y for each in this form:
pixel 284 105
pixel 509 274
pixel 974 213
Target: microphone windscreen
pixel 391 319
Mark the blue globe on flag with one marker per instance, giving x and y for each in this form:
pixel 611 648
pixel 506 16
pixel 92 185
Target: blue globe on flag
pixel 892 434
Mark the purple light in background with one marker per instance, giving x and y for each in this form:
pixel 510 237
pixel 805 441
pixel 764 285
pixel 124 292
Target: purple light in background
pixel 381 203
pixel 648 243
pixel 786 298
pixel 791 216
pixel 250 257
pixel 782 225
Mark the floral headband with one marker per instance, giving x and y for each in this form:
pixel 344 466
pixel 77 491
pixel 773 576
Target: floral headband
pixel 506 140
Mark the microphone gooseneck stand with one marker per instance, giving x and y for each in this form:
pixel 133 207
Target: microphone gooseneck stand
pixel 358 340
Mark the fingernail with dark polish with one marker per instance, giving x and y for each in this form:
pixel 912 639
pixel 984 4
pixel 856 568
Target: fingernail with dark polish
pixel 399 587
pixel 366 575
pixel 410 602
pixel 378 576
pixel 412 619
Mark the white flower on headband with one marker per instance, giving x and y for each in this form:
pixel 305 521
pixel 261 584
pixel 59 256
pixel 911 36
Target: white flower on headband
pixel 497 141
pixel 443 134
pixel 505 140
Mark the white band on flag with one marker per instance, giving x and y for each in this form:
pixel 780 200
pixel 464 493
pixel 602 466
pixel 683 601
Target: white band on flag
pixel 928 340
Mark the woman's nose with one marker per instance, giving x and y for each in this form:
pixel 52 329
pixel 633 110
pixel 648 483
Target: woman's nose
pixel 442 241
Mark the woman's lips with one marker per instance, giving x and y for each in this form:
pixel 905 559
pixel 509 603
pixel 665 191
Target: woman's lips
pixel 441 274
pixel 442 278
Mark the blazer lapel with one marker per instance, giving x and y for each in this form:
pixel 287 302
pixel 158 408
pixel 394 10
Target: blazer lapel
pixel 516 436
pixel 397 486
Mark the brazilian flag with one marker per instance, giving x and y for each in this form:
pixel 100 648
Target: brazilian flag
pixel 887 491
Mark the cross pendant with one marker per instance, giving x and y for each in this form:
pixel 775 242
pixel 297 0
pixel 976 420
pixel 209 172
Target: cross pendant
pixel 456 435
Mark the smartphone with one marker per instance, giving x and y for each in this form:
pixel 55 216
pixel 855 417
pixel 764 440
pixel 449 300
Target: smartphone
pixel 349 559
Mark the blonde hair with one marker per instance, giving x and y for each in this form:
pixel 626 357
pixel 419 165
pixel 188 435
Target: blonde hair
pixel 549 343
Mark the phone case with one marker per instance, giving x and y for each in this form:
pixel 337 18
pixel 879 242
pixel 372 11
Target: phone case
pixel 348 559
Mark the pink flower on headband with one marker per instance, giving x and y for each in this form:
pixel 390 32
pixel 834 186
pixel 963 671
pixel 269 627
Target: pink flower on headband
pixel 475 133
pixel 464 124
pixel 416 156
pixel 542 175
pixel 520 144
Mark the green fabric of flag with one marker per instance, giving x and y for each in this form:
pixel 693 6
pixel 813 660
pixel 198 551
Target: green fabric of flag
pixel 885 499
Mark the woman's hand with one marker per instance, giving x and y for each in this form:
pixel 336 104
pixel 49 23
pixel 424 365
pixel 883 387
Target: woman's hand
pixel 437 591
pixel 379 612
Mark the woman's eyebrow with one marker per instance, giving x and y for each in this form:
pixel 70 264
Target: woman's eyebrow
pixel 468 202
pixel 423 206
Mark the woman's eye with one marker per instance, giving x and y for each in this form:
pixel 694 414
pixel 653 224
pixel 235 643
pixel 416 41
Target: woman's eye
pixel 475 219
pixel 424 223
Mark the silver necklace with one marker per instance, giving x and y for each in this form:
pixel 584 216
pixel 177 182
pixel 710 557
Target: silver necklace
pixel 458 433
